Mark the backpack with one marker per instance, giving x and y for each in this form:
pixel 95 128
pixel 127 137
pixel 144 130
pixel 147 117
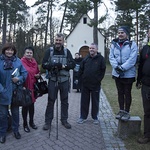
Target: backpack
pixel 52 51
pixel 58 58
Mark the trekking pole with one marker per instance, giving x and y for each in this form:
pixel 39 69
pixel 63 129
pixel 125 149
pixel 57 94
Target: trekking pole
pixel 49 130
pixel 56 90
pixel 57 113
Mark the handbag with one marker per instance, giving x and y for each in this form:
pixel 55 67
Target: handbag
pixel 40 87
pixel 22 96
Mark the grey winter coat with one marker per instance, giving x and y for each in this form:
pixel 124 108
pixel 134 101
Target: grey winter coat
pixel 126 56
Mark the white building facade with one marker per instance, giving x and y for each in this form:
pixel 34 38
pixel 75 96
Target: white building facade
pixel 82 36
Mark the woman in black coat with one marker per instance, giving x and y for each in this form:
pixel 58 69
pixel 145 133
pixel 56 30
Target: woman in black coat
pixel 76 80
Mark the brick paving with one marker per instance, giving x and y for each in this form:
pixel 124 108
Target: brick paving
pixel 87 136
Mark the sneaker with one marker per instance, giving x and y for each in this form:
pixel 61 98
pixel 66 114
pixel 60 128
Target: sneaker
pixel 126 116
pixel 80 121
pixel 66 124
pixel 143 140
pixel 46 126
pixel 120 114
pixel 33 126
pixel 26 129
pixel 96 121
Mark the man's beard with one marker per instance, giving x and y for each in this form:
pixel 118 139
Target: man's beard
pixel 58 47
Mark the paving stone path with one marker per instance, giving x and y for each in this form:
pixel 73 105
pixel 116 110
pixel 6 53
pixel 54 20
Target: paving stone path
pixel 87 136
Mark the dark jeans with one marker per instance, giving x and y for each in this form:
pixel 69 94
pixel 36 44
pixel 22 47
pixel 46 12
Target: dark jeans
pixel 146 105
pixel 86 94
pixel 28 110
pixel 53 88
pixel 124 93
pixel 4 119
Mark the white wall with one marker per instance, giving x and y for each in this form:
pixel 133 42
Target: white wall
pixel 82 35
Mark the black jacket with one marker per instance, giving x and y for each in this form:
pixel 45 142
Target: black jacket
pixel 92 71
pixel 143 67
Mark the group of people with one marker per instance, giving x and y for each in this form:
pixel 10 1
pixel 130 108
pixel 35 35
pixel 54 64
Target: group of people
pixel 88 74
pixel 57 61
pixel 28 72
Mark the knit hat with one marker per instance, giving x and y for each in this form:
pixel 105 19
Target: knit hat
pixel 125 29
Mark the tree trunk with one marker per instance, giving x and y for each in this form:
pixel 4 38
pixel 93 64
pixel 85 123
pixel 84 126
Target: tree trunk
pixel 137 27
pixel 9 35
pixel 47 21
pixel 14 33
pixel 95 31
pixel 63 16
pixel 51 14
pixel 4 22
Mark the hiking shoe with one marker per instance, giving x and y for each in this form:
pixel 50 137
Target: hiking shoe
pixel 143 140
pixel 66 124
pixel 46 126
pixel 126 116
pixel 17 135
pixel 80 121
pixel 96 121
pixel 120 114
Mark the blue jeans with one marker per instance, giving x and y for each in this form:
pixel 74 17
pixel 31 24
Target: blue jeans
pixel 4 119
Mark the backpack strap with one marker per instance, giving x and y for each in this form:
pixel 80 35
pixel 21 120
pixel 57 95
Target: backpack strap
pixel 65 52
pixel 130 43
pixel 52 51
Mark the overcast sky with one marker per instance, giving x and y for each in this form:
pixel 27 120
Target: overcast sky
pixel 101 11
pixel 30 2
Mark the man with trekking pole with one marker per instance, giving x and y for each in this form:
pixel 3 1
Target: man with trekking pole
pixel 58 61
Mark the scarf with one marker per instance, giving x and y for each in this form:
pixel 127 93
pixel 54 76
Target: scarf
pixel 8 62
pixel 32 68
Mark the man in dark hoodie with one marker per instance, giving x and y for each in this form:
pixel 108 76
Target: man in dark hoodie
pixel 91 71
pixel 143 82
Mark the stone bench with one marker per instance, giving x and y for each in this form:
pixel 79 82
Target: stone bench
pixel 130 127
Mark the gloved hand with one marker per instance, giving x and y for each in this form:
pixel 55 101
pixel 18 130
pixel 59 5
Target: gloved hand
pixel 47 66
pixel 119 69
pixel 138 85
pixel 67 66
pixel 57 65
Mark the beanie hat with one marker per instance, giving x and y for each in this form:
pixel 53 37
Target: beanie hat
pixel 125 29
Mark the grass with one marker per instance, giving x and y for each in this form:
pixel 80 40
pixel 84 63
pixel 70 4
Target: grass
pixel 109 88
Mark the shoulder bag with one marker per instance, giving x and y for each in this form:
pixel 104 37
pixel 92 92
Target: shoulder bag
pixel 22 96
pixel 40 87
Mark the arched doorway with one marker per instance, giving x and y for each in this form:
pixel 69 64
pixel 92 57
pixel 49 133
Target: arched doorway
pixel 84 50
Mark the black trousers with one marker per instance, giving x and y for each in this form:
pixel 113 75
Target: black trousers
pixel 86 94
pixel 124 88
pixel 53 88
pixel 146 105
pixel 28 110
